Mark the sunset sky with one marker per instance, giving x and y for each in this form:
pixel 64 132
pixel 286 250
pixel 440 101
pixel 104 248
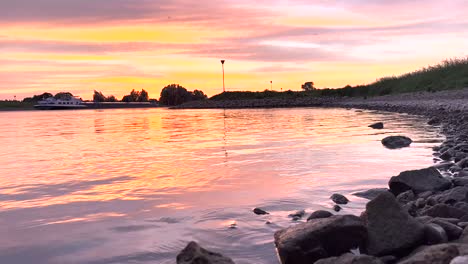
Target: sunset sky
pixel 117 45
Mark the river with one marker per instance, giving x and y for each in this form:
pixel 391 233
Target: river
pixel 135 185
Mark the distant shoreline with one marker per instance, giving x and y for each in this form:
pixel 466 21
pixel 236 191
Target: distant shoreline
pixel 20 106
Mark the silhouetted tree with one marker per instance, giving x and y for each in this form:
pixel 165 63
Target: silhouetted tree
pixel 99 97
pixel 63 95
pixel 308 86
pixel 111 99
pixel 37 98
pixel 143 96
pixel 198 95
pixel 174 94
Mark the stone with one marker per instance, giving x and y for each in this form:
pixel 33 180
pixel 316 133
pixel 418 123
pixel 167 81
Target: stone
pixel 420 203
pixel 425 195
pixel 406 197
pixel 464 236
pixel 339 198
pixel 434 234
pixel 436 254
pixel 460 260
pixel 447 155
pixel 452 196
pixel 260 211
pixel 308 242
pixel 194 254
pixel 453 231
pixel 444 210
pixel 391 229
pixel 337 208
pixel 298 214
pixel 319 214
pixel 371 193
pixel 460 181
pixel 418 181
pixel 395 142
pixel 433 121
pixel 350 258
pixel 378 125
pixel 462 224
pixel 389 259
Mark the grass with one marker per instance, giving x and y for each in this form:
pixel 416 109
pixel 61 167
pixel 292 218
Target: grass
pixel 448 75
pixel 15 105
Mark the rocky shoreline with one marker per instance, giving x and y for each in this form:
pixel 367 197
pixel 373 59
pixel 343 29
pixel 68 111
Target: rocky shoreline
pixel 421 218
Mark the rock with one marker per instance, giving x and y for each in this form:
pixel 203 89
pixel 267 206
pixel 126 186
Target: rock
pixel 350 258
pixel 394 142
pixel 464 237
pixel 389 259
pixel 391 229
pixel 378 125
pixel 371 193
pixel 194 254
pixel 418 181
pixel 433 121
pixel 462 224
pixel 447 155
pixel 298 214
pixel 453 231
pixel 434 234
pixel 452 196
pixel 339 198
pixel 442 253
pixel 425 195
pixel 420 203
pixel 259 211
pixel 319 214
pixel 307 242
pixel 460 181
pixel 337 208
pixel 406 197
pixel 444 210
pixel 460 260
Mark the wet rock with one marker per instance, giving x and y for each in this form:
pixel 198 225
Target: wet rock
pixel 319 214
pixel 442 253
pixel 444 210
pixel 350 258
pixel 453 231
pixel 460 181
pixel 406 197
pixel 337 208
pixel 305 243
pixel 394 142
pixel 371 193
pixel 460 260
pixel 391 229
pixel 194 254
pixel 298 214
pixel 452 196
pixel 378 125
pixel 339 198
pixel 259 211
pixel 418 181
pixel 434 234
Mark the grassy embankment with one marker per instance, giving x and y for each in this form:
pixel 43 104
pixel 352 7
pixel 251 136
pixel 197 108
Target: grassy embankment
pixel 15 105
pixel 447 75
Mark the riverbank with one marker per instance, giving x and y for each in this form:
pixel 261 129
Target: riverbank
pixel 421 218
pixel 22 106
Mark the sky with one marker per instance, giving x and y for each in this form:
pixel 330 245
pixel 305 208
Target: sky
pixel 114 46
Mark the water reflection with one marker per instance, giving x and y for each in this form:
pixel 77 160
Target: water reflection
pixel 134 186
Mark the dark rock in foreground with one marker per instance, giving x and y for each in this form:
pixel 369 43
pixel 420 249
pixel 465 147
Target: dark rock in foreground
pixel 394 142
pixel 259 211
pixel 434 234
pixel 350 258
pixel 319 214
pixel 194 254
pixel 378 125
pixel 418 181
pixel 442 253
pixel 305 243
pixel 339 198
pixel 391 229
pixel 371 193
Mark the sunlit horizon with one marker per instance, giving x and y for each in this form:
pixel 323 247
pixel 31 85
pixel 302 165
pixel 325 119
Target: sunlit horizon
pixel 116 46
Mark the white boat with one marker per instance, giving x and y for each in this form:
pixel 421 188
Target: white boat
pixel 69 103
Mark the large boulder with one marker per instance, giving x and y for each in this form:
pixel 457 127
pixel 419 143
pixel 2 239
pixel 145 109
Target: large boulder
pixel 440 254
pixel 391 229
pixel 194 254
pixel 305 243
pixel 418 181
pixel 350 259
pixel 394 142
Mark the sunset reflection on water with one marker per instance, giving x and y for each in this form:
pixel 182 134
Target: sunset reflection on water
pixel 134 186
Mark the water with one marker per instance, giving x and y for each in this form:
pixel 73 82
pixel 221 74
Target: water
pixel 134 186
